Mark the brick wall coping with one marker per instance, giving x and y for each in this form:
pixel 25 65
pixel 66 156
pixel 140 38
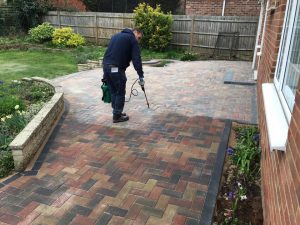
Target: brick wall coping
pixel 38 130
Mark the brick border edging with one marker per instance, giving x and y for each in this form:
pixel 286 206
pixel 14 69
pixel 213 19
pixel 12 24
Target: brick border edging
pixel 213 188
pixel 36 133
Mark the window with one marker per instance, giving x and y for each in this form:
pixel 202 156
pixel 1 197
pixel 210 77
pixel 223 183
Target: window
pixel 288 67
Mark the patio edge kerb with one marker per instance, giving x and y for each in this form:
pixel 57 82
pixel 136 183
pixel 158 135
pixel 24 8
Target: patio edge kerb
pixel 213 188
pixel 27 143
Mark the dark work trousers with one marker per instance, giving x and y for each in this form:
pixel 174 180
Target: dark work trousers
pixel 117 84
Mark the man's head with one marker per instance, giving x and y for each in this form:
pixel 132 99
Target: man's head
pixel 138 34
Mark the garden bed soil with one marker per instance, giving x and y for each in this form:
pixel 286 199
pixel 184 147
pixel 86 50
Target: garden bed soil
pixel 249 211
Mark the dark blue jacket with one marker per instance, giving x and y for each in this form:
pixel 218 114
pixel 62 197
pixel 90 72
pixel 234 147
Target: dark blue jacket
pixel 122 49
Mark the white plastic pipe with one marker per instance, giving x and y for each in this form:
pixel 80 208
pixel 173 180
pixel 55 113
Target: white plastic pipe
pixel 223 9
pixel 258 32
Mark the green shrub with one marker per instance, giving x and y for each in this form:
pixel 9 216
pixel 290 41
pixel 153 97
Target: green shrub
pixel 189 56
pixel 6 163
pixel 42 33
pixel 75 40
pixel 29 13
pixel 155 25
pixel 9 104
pixel 65 37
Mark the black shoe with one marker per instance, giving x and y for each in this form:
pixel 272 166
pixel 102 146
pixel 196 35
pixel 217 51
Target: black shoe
pixel 123 114
pixel 118 119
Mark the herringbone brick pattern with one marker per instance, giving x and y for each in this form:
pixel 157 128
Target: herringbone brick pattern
pixel 97 174
pixel 154 169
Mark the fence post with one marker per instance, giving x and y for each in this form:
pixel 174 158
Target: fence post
pixel 58 18
pixel 192 33
pixel 96 28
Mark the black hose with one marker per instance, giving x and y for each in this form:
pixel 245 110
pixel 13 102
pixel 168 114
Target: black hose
pixel 133 91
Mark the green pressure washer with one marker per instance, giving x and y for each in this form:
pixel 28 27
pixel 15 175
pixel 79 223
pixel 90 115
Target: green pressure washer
pixel 106 96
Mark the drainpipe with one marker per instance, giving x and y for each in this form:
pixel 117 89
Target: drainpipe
pixel 223 9
pixel 258 33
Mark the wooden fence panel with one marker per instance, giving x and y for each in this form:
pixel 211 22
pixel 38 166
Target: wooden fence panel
pixel 192 32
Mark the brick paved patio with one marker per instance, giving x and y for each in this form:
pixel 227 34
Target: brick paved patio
pixel 161 167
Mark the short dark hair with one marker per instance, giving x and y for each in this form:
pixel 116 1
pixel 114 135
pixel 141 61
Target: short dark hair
pixel 138 30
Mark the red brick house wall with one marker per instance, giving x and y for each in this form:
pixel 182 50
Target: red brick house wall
pixel 69 4
pixel 214 7
pixel 280 170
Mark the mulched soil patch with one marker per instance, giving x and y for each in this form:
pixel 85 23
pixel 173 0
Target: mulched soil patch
pixel 249 211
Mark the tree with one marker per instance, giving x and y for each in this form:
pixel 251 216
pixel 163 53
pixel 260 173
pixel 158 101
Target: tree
pixel 29 12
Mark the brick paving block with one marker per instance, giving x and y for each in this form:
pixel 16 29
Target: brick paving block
pixel 9 219
pixel 169 213
pixel 155 193
pixel 82 220
pixel 29 218
pixel 88 184
pixel 134 211
pixel 107 192
pixel 172 193
pixel 162 202
pixel 181 186
pixel 150 211
pixel 178 220
pixel 188 213
pixel 104 219
pixel 141 219
pixel 61 200
pixel 116 211
pixel 49 220
pixel 115 220
pixel 66 218
pixel 27 209
pixel 180 202
pixel 139 192
pixel 95 200
pixel 82 210
pixel 145 202
pixel 45 210
pixel 191 221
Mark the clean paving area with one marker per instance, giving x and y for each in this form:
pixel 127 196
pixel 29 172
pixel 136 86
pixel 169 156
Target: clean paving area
pixel 160 167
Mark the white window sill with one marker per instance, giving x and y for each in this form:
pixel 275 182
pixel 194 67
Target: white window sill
pixel 277 124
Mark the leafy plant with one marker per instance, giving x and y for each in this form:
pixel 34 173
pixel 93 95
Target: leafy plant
pixel 65 37
pixel 247 153
pixel 41 33
pixel 8 104
pixel 156 26
pixel 6 163
pixel 189 56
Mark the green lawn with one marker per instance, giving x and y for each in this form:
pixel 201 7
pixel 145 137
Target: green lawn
pixel 15 64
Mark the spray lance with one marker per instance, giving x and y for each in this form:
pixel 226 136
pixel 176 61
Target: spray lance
pixel 142 84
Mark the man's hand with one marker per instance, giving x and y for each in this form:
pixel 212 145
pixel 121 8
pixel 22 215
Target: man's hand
pixel 141 82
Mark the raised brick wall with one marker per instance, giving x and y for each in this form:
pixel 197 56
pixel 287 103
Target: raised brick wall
pixel 33 137
pixel 214 7
pixel 280 170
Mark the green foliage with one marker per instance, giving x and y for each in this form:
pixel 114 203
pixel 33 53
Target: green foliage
pixel 75 40
pixel 29 12
pixel 8 104
pixel 41 33
pixel 83 53
pixel 64 37
pixel 247 152
pixel 155 25
pixel 189 56
pixel 6 163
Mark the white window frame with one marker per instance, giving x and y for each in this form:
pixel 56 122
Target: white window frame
pixel 283 55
